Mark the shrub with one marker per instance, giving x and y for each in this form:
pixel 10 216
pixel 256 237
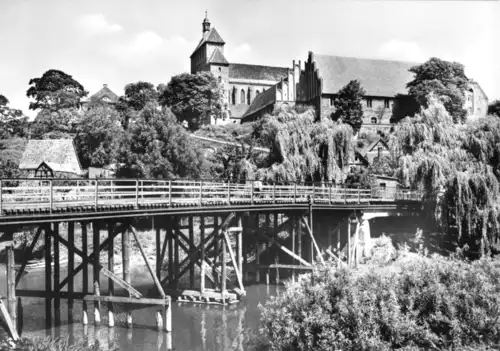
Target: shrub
pixel 427 303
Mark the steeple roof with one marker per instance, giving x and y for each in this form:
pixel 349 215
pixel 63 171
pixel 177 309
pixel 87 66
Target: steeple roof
pixel 218 57
pixel 212 36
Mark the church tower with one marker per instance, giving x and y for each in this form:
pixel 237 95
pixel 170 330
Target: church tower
pixel 209 56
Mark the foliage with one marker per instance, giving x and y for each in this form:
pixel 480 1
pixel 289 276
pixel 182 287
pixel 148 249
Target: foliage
pixel 302 150
pixel 3 100
pixel 99 134
pixel 427 303
pixel 137 95
pixel 233 132
pixel 157 146
pixel 59 344
pixel 404 106
pixel 384 165
pixel 55 90
pixel 12 120
pixel 11 151
pixel 446 80
pixel 54 124
pixel 193 98
pixel 494 108
pixel 348 106
pixel 458 168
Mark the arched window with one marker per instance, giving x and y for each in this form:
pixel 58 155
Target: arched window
pixel 242 96
pixel 220 69
pixel 373 120
pixel 220 79
pixel 249 96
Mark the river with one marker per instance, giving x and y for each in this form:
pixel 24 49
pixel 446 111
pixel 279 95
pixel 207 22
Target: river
pixel 195 326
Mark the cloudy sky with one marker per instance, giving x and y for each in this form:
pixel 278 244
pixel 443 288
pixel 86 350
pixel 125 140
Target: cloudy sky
pixel 123 41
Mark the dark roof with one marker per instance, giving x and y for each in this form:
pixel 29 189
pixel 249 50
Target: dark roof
pixel 58 154
pixel 377 77
pixel 261 101
pixel 238 110
pixel 212 36
pixel 365 150
pixel 244 71
pixel 105 92
pixel 218 57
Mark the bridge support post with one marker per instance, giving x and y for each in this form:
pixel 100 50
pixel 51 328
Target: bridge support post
pixel 191 250
pixel 71 267
pixel 223 270
pixel 111 266
pixel 48 277
pixel 257 247
pixel 126 267
pixel 11 288
pixel 57 272
pixel 202 256
pixel 96 269
pixel 85 274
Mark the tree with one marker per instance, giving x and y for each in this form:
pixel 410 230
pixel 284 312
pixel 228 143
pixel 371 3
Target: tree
pixel 3 100
pixel 193 97
pixel 137 95
pixel 348 106
pixel 157 146
pixel 99 134
pixel 58 124
pixel 494 108
pixel 55 90
pixel 12 120
pixel 301 149
pixel 446 80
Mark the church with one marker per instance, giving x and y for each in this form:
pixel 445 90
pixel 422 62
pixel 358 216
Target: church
pixel 250 91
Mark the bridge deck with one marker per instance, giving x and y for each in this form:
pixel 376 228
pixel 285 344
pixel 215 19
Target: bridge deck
pixel 81 196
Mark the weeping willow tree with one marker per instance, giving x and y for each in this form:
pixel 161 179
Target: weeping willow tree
pixel 457 168
pixel 302 149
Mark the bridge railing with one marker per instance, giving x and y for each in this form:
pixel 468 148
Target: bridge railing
pixel 67 193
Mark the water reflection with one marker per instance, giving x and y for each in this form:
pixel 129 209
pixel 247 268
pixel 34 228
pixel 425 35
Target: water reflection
pixel 195 326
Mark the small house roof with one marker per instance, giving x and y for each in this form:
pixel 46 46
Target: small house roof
pixel 103 93
pixel 58 154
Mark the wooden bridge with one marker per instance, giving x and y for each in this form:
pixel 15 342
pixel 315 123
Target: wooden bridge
pixel 210 236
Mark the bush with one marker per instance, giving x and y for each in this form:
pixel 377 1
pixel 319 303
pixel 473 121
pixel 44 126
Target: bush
pixel 40 344
pixel 427 303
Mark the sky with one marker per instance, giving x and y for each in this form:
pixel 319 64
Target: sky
pixel 117 42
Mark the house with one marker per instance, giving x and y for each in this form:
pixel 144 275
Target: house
pixel 365 155
pixel 51 158
pixel 105 96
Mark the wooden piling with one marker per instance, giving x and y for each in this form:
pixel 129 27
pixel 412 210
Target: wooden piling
pixel 202 255
pixel 349 242
pixel 239 248
pixel 57 274
pixel 126 267
pixel 96 269
pixel 177 267
pixel 191 244
pixel 294 262
pixel 71 266
pixel 276 257
pixel 111 266
pixel 223 273
pixel 11 288
pixel 268 246
pixel 159 320
pixel 216 251
pixel 85 274
pixel 48 278
pixel 257 244
pixel 158 248
pixel 168 315
pixel 170 245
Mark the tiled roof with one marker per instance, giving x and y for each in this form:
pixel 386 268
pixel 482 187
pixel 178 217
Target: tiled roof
pixel 105 92
pixel 238 110
pixel 244 71
pixel 59 154
pixel 212 36
pixel 365 150
pixel 218 57
pixel 377 77
pixel 261 101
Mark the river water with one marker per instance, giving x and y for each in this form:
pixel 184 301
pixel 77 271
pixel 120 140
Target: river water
pixel 195 326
